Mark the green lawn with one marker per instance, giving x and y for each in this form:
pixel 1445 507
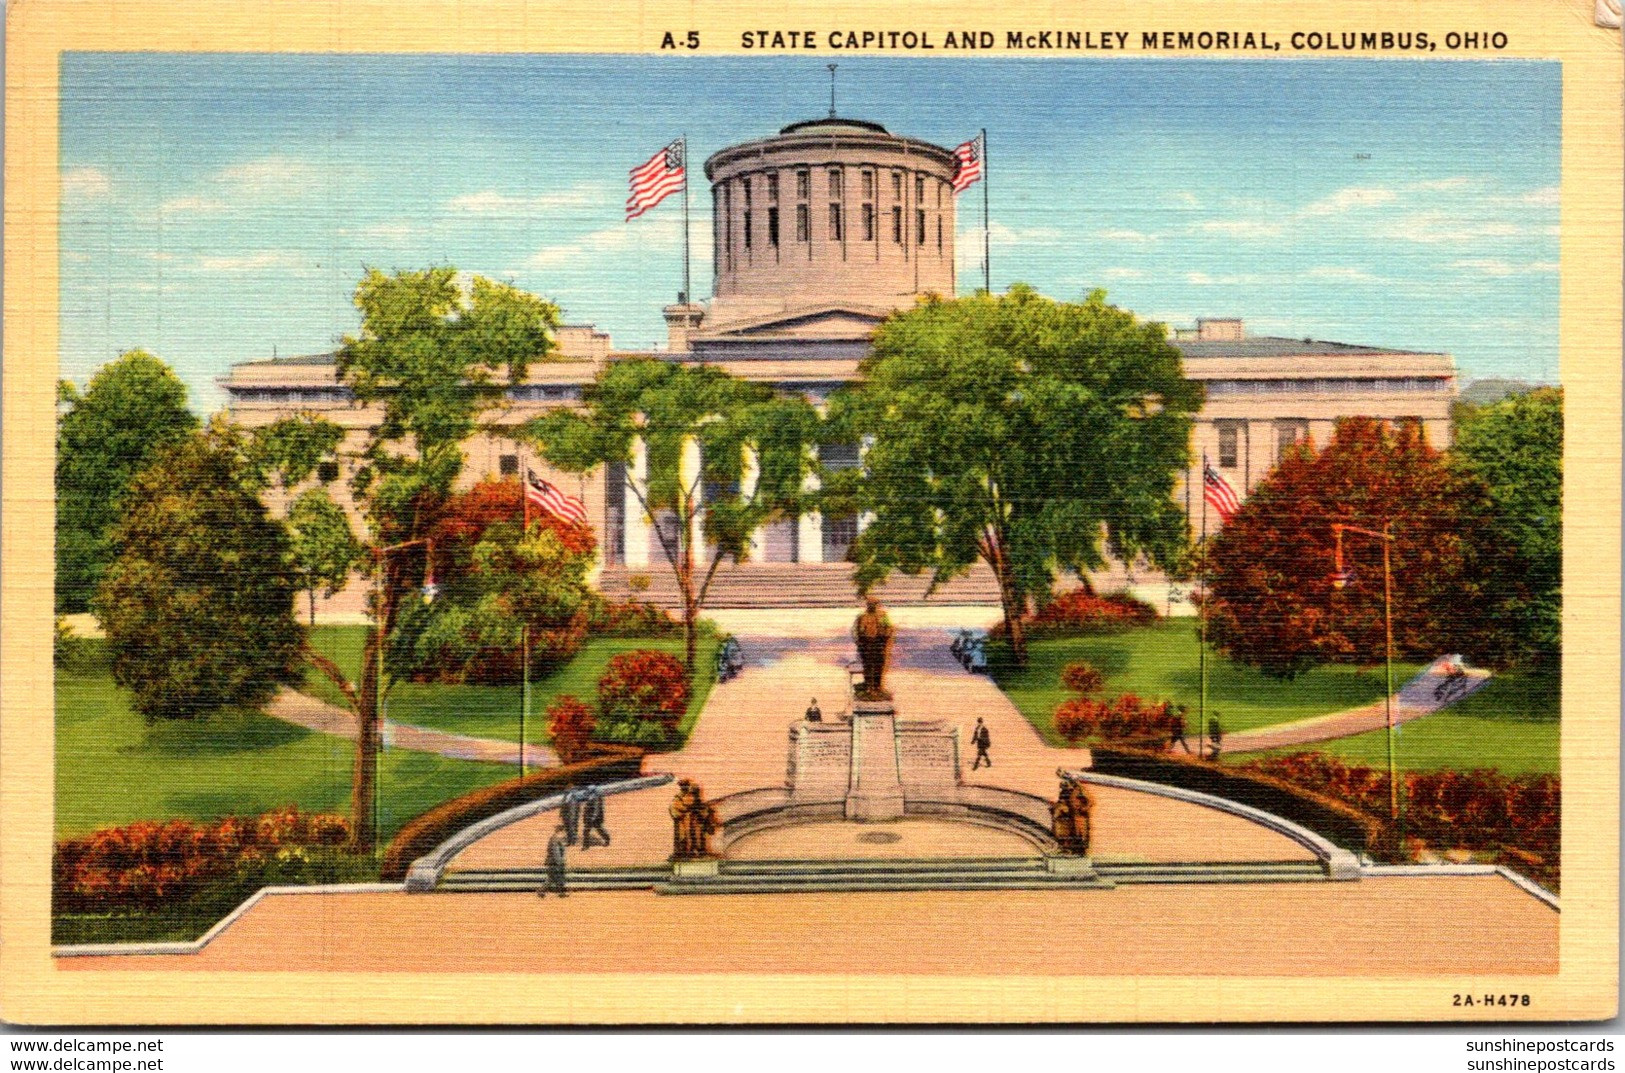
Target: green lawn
pixel 493 711
pixel 1512 724
pixel 112 769
pixel 1160 662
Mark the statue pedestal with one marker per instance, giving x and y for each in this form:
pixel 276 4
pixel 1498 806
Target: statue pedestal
pixel 875 788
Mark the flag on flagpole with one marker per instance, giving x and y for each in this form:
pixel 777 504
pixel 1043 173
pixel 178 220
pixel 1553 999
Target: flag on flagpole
pixel 547 497
pixel 1218 494
pixel 968 164
pixel 660 175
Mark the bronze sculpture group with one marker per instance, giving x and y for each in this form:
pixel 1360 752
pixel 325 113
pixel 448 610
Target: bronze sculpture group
pixel 1070 816
pixel 693 822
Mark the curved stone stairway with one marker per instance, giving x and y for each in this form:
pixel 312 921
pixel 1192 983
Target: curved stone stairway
pixel 886 874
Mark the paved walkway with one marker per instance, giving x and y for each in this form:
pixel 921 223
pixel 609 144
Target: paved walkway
pixel 1413 701
pixel 741 742
pixel 302 710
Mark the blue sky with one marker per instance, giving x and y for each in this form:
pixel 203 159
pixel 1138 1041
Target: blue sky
pixel 216 207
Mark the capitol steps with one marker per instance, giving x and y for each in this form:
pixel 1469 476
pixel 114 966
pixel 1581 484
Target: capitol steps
pixel 887 874
pixel 770 585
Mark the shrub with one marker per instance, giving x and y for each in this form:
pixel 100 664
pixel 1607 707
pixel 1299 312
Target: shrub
pixel 1079 612
pixel 571 724
pixel 631 619
pixel 644 684
pixel 1126 718
pixel 1082 678
pixel 148 865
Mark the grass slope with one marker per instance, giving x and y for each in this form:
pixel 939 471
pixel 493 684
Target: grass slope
pixel 1512 724
pixel 113 769
pixel 493 711
pixel 1160 662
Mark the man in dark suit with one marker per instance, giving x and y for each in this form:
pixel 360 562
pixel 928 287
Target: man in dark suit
pixel 555 864
pixel 592 817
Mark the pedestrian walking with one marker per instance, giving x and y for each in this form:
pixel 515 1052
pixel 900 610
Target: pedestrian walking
pixel 1176 729
pixel 592 818
pixel 981 739
pixel 555 864
pixel 570 814
pixel 1215 737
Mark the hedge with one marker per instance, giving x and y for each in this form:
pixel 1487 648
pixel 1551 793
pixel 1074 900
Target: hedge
pixel 611 764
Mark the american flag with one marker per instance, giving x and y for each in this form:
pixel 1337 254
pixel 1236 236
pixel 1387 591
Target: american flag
pixel 968 166
pixel 547 497
pixel 652 180
pixel 1218 494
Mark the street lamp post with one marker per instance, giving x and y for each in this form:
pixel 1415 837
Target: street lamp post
pixel 381 559
pixel 1341 576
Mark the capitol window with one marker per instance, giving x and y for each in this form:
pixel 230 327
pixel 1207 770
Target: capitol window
pixel 897 186
pixel 772 188
pixel 868 222
pixel 801 224
pixel 897 225
pixel 773 227
pixel 835 233
pixel 869 185
pixel 919 227
pixel 803 185
pixel 1229 444
pixel 835 182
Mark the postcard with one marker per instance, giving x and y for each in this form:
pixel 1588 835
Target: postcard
pixel 912 513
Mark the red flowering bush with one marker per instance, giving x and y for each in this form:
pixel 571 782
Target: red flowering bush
pixel 644 684
pixel 1082 678
pixel 1126 718
pixel 148 864
pixel 1080 612
pixel 571 724
pixel 1515 819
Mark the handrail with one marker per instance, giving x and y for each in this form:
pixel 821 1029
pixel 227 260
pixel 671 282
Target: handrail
pixel 424 874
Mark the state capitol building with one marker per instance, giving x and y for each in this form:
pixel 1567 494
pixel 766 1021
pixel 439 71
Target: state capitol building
pixel 819 233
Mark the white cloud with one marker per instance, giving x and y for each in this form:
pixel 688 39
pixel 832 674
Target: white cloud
pixel 267 175
pixel 1545 195
pixel 1203 279
pixel 1032 236
pixel 607 240
pixel 1451 228
pixel 192 205
pixel 493 203
pixel 1122 273
pixel 1493 266
pixel 1243 229
pixel 1344 273
pixel 1124 234
pixel 1187 199
pixel 1350 197
pixel 86 184
pixel 1455 182
pixel 260 261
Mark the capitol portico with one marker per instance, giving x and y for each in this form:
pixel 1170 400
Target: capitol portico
pixel 819 233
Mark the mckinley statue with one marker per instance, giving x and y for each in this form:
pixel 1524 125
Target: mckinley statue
pixel 873 633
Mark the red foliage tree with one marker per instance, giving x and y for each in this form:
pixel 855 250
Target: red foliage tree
pixel 1081 677
pixel 1271 602
pixel 645 684
pixel 468 514
pixel 571 723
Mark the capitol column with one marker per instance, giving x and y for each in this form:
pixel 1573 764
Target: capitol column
pixel 636 520
pixel 748 479
pixel 810 526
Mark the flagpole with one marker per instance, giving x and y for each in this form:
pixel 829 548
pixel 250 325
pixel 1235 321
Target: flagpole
pixel 1201 704
pixel 687 294
pixel 987 245
pixel 524 639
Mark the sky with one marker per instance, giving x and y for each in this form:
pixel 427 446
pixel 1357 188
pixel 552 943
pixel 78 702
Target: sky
pixel 220 208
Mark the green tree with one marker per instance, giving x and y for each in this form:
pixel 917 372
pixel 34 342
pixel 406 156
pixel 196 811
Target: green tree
pixel 723 457
pixel 433 352
pixel 323 547
pixel 1515 447
pixel 198 600
pixel 1031 434
pixel 133 408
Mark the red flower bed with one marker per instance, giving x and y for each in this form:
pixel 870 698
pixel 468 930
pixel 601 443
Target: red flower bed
pixel 644 684
pixel 147 864
pixel 1080 612
pixel 1082 678
pixel 571 724
pixel 1127 718
pixel 1515 818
